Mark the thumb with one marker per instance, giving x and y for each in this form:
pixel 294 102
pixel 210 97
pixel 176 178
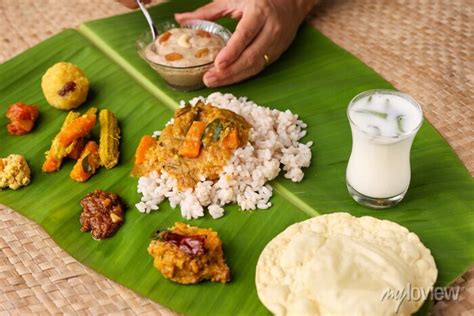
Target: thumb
pixel 211 11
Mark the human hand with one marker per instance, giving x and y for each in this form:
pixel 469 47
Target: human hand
pixel 131 4
pixel 266 28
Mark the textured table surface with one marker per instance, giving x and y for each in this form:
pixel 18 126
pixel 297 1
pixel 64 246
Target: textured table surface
pixel 423 47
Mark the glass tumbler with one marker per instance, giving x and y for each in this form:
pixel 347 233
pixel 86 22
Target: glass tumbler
pixel 383 124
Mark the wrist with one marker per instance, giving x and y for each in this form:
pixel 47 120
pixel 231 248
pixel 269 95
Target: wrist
pixel 305 6
pixel 297 9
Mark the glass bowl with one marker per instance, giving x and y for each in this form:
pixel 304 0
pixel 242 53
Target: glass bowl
pixel 181 78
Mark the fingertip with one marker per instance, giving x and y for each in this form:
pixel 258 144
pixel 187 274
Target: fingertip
pixel 180 17
pixel 209 81
pixel 210 78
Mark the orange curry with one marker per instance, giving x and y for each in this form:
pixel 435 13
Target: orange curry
pixel 198 144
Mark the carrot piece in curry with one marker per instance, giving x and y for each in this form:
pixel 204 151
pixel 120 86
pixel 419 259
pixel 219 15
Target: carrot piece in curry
pixel 192 142
pixel 231 141
pixel 87 164
pixel 145 143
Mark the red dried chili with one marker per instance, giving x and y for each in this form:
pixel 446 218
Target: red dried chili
pixel 192 245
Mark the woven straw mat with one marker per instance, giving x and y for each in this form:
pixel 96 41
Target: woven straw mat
pixel 424 48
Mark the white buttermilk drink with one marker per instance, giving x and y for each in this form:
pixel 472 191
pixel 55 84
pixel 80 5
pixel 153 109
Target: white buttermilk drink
pixel 384 124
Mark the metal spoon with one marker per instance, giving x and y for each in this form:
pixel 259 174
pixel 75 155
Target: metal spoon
pixel 148 18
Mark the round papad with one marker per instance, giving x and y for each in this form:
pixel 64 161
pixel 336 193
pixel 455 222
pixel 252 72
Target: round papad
pixel 339 264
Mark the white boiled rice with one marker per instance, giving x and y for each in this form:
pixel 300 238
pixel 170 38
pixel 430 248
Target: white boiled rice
pixel 273 145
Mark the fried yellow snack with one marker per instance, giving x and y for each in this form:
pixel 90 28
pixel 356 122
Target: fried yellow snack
pixel 109 139
pixel 87 164
pixel 55 155
pixel 71 132
pixel 78 128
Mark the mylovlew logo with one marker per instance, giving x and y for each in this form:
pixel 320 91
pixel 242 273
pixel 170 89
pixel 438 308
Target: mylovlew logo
pixel 409 293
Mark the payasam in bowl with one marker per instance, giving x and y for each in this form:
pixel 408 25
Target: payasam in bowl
pixel 182 54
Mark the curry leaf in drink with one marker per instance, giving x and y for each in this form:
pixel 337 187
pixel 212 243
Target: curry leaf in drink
pixel 374 130
pixel 399 123
pixel 372 112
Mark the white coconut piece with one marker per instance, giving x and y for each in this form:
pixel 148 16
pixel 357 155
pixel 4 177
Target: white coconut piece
pixel 338 264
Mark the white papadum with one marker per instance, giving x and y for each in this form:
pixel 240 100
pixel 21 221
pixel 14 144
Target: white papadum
pixel 339 264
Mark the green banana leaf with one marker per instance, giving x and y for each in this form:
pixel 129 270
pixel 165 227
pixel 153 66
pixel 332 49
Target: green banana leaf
pixel 314 78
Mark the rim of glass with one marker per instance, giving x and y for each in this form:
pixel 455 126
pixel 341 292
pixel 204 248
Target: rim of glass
pixel 195 24
pixel 390 92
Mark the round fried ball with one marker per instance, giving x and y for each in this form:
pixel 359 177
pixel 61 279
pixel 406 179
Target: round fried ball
pixel 65 86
